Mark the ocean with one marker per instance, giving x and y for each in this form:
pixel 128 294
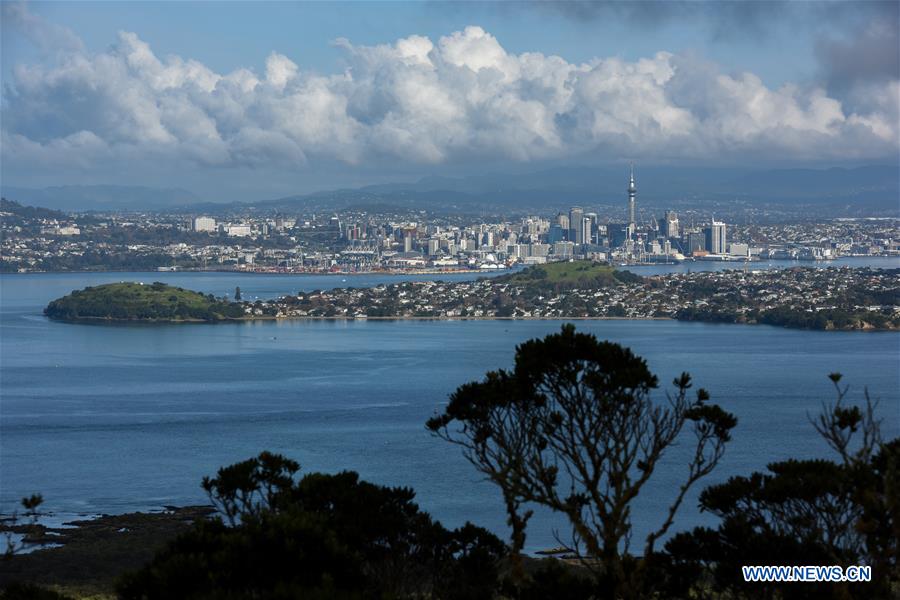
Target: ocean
pixel 119 418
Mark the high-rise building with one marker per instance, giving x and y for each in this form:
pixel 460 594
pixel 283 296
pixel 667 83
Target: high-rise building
pixel 617 234
pixel 591 234
pixel 576 214
pixel 669 226
pixel 585 230
pixel 695 242
pixel 715 237
pixel 556 233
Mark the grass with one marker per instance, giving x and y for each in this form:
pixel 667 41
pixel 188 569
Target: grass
pixel 581 274
pixel 136 301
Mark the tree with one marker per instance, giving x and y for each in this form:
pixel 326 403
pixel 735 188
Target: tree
pixel 573 427
pixel 237 294
pixel 322 536
pixel 31 504
pixel 806 512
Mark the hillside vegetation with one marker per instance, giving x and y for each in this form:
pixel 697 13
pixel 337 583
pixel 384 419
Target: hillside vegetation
pixel 558 276
pixel 140 302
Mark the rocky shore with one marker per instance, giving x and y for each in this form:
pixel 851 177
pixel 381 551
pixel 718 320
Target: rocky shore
pixel 86 557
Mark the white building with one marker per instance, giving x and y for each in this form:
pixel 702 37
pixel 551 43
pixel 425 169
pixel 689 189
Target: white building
pixel 204 224
pixel 239 230
pixel 716 238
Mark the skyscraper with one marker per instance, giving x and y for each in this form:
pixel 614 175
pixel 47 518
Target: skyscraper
pixel 576 214
pixel 715 237
pixel 671 225
pixel 590 235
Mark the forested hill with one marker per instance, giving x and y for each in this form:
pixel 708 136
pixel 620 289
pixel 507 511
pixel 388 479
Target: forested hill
pixel 561 276
pixel 140 302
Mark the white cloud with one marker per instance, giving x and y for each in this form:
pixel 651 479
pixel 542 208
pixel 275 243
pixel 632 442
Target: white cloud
pixel 463 98
pixel 279 70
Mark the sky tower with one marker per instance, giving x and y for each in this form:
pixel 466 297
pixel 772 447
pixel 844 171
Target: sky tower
pixel 632 192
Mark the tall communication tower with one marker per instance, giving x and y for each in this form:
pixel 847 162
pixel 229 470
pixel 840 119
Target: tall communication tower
pixel 632 193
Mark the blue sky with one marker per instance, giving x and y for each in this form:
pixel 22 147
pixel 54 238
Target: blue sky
pixel 234 99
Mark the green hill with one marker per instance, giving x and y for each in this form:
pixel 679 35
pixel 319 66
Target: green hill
pixel 140 302
pixel 559 276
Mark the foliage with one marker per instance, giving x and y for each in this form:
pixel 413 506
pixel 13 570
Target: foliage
pixel 573 427
pixel 31 504
pixel 828 319
pixel 324 536
pixel 136 301
pixel 16 213
pixel 562 276
pixel 802 512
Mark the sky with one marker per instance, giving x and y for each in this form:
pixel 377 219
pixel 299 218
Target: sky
pixel 242 101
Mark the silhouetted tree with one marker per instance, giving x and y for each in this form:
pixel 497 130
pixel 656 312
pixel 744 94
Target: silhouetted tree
pixel 30 504
pixel 573 427
pixel 237 294
pixel 324 536
pixel 805 512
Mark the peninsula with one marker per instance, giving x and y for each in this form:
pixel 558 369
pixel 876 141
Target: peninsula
pixel 805 298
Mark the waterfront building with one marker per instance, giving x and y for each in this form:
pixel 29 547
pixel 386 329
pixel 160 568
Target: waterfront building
pixel 669 225
pixel 695 242
pixel 715 237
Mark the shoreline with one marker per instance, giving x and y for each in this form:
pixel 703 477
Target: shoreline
pixel 108 321
pixel 737 265
pixel 87 554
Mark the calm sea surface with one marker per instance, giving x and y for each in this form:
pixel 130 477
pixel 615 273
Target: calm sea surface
pixel 107 419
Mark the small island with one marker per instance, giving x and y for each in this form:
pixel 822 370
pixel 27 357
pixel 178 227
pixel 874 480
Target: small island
pixel 155 302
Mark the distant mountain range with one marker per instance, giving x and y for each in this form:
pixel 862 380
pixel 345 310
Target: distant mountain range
pixel 101 197
pixel 869 187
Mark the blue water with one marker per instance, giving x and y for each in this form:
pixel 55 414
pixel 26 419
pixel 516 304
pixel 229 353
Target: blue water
pixel 107 419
